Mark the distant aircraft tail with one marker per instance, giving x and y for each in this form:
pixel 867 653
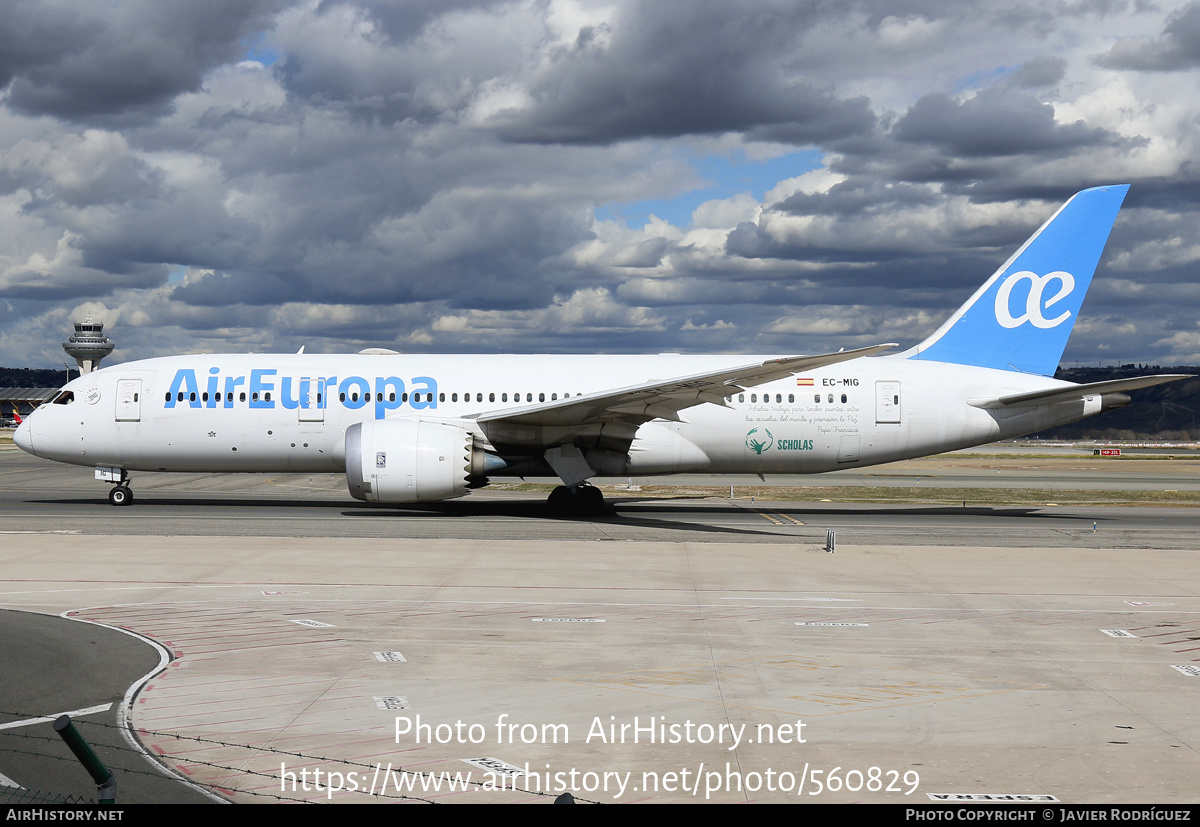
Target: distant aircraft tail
pixel 1021 318
pixel 17 416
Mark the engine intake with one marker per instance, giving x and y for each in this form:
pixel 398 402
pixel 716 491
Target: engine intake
pixel 408 460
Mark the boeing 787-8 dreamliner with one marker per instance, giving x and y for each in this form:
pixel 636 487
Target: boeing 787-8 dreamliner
pixel 409 428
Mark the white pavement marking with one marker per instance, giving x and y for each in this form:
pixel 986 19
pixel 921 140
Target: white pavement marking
pixel 74 713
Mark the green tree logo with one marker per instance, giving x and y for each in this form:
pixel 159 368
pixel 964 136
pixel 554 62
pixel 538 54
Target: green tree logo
pixel 759 440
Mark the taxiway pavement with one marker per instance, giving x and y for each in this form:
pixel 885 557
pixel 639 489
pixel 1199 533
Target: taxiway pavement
pixel 938 651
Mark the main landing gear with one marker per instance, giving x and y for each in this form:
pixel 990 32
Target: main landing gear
pixel 576 501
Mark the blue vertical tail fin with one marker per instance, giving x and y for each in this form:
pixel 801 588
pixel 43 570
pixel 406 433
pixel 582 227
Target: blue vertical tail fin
pixel 1021 318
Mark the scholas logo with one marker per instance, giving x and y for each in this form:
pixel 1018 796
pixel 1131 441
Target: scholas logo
pixel 759 440
pixel 264 390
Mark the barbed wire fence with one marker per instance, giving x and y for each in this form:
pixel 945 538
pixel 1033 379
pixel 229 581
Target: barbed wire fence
pixel 51 747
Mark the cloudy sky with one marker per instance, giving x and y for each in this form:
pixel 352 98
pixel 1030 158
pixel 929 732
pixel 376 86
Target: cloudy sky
pixel 760 176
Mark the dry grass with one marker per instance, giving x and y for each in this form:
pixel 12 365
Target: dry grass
pixel 916 494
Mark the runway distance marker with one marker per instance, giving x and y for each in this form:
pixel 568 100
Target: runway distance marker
pixel 1008 797
pixel 567 619
pixel 494 765
pixel 391 702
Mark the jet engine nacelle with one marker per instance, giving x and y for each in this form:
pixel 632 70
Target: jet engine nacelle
pixel 407 460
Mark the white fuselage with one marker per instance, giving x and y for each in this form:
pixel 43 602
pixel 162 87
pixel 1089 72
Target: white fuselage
pixel 260 413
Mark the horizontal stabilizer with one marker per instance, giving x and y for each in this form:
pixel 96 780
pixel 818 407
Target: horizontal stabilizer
pixel 1070 393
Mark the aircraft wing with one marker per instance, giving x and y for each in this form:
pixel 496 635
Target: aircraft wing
pixel 1073 392
pixel 664 399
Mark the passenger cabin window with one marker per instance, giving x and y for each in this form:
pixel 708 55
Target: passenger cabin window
pixel 843 399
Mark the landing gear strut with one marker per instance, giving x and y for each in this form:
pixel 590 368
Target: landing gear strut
pixel 577 501
pixel 120 494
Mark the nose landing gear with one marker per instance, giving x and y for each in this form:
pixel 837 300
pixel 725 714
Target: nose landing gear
pixel 120 494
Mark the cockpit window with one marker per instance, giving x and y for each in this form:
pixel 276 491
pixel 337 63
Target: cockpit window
pixel 63 398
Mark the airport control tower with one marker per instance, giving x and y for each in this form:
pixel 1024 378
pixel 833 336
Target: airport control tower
pixel 89 345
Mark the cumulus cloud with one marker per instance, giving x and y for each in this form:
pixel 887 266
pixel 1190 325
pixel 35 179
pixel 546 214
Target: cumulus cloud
pixel 117 61
pixel 450 175
pixel 993 122
pixel 1176 49
pixel 699 68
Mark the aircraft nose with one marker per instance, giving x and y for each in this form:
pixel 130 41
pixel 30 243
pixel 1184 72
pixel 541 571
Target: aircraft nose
pixel 23 437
